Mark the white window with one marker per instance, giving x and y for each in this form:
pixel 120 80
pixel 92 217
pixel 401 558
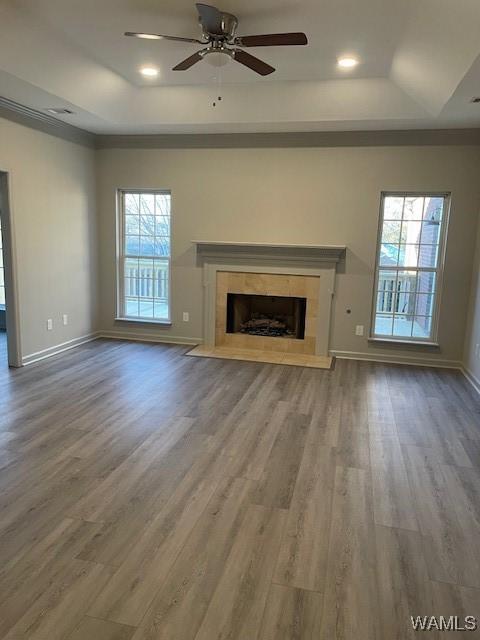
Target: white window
pixel 144 255
pixel 410 256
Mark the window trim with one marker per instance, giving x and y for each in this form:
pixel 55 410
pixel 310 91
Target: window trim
pixel 432 340
pixel 120 259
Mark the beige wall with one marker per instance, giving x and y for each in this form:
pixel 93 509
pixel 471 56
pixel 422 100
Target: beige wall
pixel 312 195
pixel 52 199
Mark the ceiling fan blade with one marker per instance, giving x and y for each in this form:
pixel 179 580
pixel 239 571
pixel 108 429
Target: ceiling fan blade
pixel 159 36
pixel 252 62
pixel 189 62
pixel 272 40
pixel 210 18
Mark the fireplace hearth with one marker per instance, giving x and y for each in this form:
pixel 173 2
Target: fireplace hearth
pixel 267 316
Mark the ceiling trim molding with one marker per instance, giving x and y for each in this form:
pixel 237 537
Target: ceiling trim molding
pixel 28 117
pixel 410 137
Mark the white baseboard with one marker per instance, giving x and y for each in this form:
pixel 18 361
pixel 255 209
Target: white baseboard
pixel 115 335
pixel 149 337
pixel 58 348
pixel 387 359
pixel 472 378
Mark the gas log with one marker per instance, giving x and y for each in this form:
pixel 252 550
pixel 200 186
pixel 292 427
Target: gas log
pixel 264 326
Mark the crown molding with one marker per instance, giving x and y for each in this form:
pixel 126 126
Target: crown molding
pixel 410 137
pixel 28 117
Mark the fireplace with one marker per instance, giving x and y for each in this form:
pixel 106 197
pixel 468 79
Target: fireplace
pixel 249 284
pixel 267 316
pixel 267 311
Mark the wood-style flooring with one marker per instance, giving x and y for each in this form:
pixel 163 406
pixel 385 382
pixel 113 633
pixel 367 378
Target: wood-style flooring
pixel 146 495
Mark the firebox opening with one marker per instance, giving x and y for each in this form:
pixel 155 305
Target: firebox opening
pixel 275 316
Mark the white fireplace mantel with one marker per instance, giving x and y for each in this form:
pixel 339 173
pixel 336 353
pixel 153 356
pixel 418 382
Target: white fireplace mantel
pixel 317 260
pixel 307 254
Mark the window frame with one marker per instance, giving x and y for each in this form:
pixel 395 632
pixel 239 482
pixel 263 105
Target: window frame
pixel 432 340
pixel 121 256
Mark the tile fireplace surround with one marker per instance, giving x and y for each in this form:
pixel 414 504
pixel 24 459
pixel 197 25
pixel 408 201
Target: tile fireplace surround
pixel 301 271
pixel 267 284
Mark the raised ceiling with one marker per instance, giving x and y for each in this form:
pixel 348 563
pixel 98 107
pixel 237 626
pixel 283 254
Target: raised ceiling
pixel 419 65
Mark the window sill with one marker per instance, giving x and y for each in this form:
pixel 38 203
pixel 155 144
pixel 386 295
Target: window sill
pixel 416 343
pixel 165 323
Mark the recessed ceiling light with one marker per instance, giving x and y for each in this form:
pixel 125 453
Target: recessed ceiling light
pixel 143 36
pixel 347 63
pixel 149 72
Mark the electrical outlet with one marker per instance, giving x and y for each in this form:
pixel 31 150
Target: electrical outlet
pixel 65 319
pixel 49 324
pixel 186 316
pixel 359 330
pixel 477 350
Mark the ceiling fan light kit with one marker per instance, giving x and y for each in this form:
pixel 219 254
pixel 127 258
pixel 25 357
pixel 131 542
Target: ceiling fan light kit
pixel 221 44
pixel 217 58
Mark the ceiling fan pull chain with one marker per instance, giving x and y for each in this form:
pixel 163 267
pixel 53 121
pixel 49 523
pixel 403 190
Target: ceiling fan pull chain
pixel 218 89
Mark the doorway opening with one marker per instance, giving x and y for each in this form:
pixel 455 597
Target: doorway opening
pixel 10 353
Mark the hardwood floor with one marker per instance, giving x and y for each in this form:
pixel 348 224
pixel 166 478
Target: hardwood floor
pixel 146 495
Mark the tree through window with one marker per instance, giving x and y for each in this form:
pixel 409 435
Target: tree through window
pixel 144 255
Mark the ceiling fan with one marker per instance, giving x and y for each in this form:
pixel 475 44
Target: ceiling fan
pixel 218 34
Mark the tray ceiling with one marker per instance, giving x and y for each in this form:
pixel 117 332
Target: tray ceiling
pixel 419 65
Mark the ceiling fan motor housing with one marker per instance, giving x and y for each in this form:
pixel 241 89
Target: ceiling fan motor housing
pixel 224 29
